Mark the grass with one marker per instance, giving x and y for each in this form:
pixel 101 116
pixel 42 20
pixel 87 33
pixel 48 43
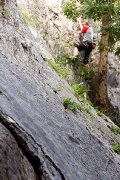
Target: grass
pixel 71 105
pixel 115 130
pixel 116 148
pixel 59 68
pixel 26 18
pixel 80 90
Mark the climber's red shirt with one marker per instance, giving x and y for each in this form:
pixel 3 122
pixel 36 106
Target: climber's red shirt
pixel 85 28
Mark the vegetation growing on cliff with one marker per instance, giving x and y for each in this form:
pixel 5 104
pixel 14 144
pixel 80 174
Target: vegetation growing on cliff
pixel 107 12
pixel 26 17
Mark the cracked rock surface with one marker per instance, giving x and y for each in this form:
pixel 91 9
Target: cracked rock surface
pixel 13 163
pixel 56 142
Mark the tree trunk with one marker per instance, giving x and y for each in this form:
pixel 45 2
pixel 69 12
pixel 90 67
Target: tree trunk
pixel 102 91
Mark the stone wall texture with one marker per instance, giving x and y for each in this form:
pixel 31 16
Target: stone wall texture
pixel 39 138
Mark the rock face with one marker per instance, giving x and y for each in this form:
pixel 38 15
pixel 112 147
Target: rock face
pixel 58 144
pixel 54 35
pixel 56 30
pixel 114 85
pixel 13 163
pixel 39 138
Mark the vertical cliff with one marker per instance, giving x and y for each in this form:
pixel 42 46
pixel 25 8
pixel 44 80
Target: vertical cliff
pixel 54 28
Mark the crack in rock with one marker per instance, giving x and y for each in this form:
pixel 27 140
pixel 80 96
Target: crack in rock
pixel 3 94
pixel 30 149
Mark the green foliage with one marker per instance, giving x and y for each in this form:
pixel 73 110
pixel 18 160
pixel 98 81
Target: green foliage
pixel 96 10
pixel 71 105
pixel 26 18
pixel 100 129
pixel 85 104
pixel 83 72
pixel 59 68
pixel 62 49
pixel 70 10
pixel 99 112
pixel 90 128
pixel 80 90
pixel 87 107
pixel 101 47
pixel 118 51
pixel 62 56
pixel 79 68
pixel 115 130
pixel 116 148
pixel 103 116
pixel 93 9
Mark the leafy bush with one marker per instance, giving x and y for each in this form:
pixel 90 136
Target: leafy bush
pixel 80 90
pixel 79 68
pixel 71 105
pixel 115 130
pixel 100 129
pixel 116 148
pixel 59 68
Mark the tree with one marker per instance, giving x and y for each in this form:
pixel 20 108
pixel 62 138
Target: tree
pixel 108 13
